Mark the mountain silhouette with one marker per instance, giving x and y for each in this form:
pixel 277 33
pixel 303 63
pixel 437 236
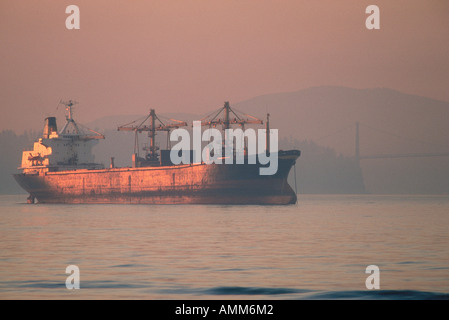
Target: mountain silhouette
pixel 321 121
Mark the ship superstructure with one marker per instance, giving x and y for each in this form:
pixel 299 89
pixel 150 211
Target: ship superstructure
pixel 68 149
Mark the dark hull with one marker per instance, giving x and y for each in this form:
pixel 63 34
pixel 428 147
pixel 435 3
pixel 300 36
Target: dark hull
pixel 182 184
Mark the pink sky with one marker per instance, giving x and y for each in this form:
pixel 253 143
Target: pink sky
pixel 190 56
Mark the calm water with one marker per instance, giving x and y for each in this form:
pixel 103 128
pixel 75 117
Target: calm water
pixel 318 248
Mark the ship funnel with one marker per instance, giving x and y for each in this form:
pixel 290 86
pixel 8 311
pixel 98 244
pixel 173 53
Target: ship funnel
pixel 50 126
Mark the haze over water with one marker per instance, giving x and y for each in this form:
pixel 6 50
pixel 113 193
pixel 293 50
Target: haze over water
pixel 318 248
pixel 190 56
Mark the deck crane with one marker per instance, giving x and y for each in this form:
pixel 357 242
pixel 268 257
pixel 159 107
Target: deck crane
pixel 227 120
pixel 155 124
pixel 230 117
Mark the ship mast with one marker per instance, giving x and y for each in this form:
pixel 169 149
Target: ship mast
pixel 69 117
pixel 152 118
pixel 152 135
pixel 267 135
pixel 227 109
pixel 70 122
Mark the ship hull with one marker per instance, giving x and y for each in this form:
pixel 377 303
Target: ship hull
pixel 181 184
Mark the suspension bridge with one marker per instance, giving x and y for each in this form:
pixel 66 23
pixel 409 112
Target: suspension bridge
pixel 359 157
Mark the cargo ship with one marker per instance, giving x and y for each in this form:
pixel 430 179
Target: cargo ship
pixel 61 169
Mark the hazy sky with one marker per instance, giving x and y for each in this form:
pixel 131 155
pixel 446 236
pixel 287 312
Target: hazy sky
pixel 190 56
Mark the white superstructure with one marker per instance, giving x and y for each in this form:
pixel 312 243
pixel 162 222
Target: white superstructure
pixel 69 149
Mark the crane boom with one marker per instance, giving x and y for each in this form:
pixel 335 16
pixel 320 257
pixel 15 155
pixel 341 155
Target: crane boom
pixel 151 128
pixel 228 120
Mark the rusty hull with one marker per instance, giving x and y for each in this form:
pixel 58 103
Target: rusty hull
pixel 181 184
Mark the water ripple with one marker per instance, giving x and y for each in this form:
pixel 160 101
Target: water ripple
pixel 252 291
pixel 379 295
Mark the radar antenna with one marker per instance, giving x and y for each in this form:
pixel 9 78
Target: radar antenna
pixel 68 107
